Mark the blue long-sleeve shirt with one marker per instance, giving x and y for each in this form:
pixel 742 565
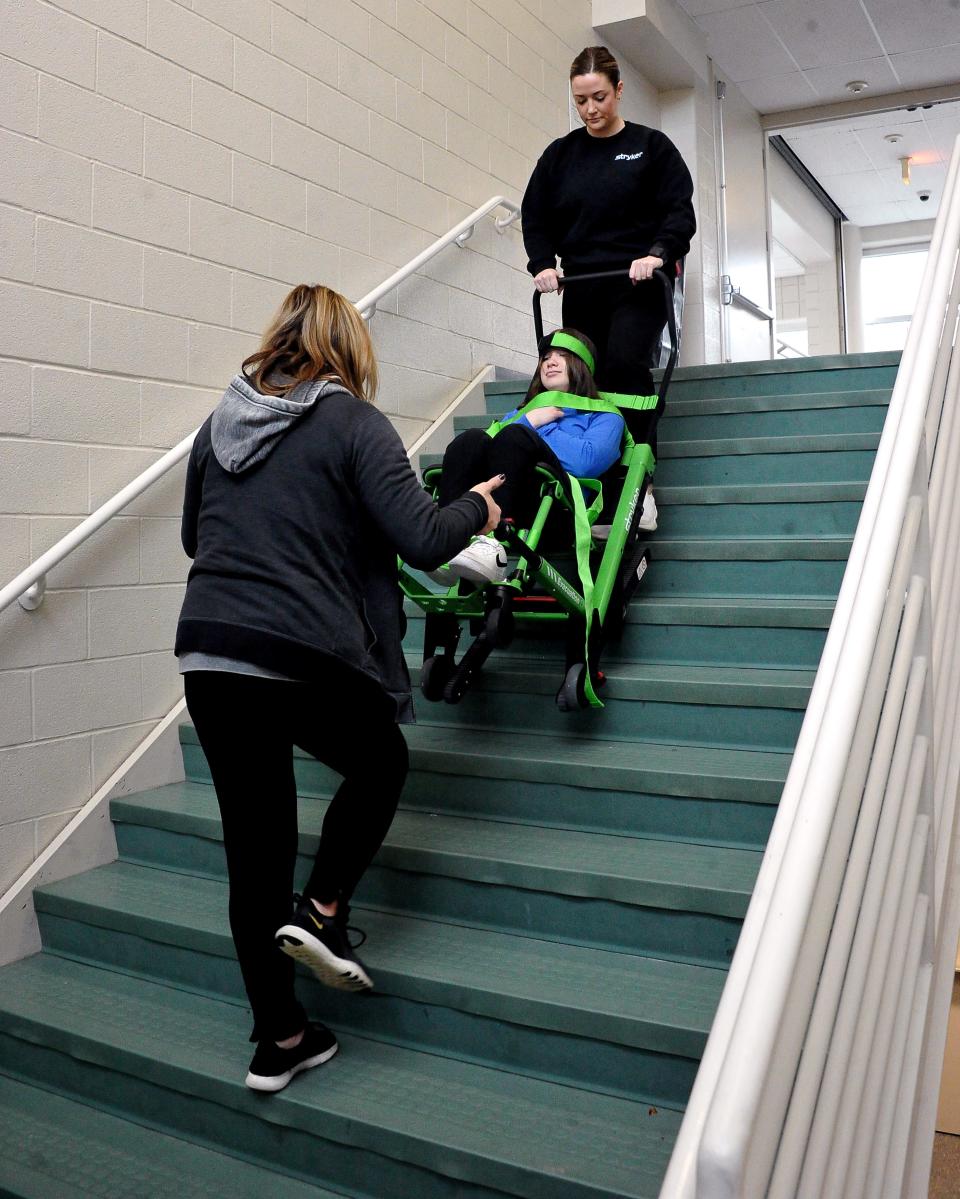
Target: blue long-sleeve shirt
pixel 587 443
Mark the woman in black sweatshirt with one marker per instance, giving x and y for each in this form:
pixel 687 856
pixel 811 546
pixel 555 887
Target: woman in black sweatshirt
pixel 299 496
pixel 610 195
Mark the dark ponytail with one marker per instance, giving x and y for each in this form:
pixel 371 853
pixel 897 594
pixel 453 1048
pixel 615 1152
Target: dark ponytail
pixel 596 60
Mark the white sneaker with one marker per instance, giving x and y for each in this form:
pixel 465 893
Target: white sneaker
pixel 483 561
pixel 648 517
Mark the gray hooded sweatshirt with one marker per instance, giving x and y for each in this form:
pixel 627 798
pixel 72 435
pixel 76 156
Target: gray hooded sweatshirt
pixel 295 510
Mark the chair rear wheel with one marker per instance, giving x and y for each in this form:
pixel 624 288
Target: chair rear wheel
pixel 572 695
pixel 434 676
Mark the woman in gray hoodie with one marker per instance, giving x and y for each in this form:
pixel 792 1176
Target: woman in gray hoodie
pixel 299 497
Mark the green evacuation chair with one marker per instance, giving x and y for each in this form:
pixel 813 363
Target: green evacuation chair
pixel 592 604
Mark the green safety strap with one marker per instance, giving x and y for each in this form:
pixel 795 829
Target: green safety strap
pixel 566 341
pixel 584 515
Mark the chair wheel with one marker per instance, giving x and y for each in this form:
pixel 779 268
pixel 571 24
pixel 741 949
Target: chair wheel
pixel 434 676
pixel 572 696
pixel 499 626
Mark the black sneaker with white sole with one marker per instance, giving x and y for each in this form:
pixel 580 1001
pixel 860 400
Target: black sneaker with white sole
pixel 320 942
pixel 273 1067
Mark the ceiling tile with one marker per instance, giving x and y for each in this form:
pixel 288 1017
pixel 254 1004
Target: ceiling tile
pixel 696 8
pixel 915 24
pixel 828 153
pixel 820 32
pixel 789 90
pixel 915 141
pixel 943 134
pixel 743 45
pixel 883 213
pixel 928 68
pixel 830 81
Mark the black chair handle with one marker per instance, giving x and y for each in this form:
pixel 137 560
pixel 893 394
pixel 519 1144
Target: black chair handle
pixel 659 273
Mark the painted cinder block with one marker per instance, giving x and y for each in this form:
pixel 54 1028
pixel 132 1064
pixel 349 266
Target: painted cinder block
pixel 55 632
pixel 14 545
pixel 162 684
pixel 269 192
pixel 270 81
pixel 465 140
pixel 187 287
pixel 113 467
pixel 140 209
pixel 89 263
pixel 17 248
pixel 395 146
pixel 297 258
pixel 222 234
pixel 143 80
pixel 16 707
pixel 395 53
pixel 195 43
pixel 44 37
pixel 341 118
pixel 185 161
pixel 137 343
pixel 169 413
pixel 43 325
pixel 130 620
pixel 128 18
pixel 161 554
pixel 466 58
pixel 82 696
pixel 17 850
pixel 15 403
pixel 343 21
pixel 423 206
pixel 70 405
pixel 445 85
pixel 341 221
pixel 396 241
pixel 81 121
pixel 249 19
pixel 18 96
pixel 110 557
pixel 421 26
pixel 366 83
pixel 410 343
pixel 232 120
pixel 424 300
pixel 302 45
pixel 420 114
pixel 302 152
pixel 41 178
pixel 364 179
pixel 488 33
pixel 109 747
pixel 216 354
pixel 254 301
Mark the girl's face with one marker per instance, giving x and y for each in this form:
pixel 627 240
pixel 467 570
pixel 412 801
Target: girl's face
pixel 554 374
pixel 598 103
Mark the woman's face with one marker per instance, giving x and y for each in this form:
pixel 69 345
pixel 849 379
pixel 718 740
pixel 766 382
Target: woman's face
pixel 554 374
pixel 598 103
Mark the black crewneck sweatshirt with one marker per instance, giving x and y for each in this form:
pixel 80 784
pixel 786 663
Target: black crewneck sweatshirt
pixel 600 202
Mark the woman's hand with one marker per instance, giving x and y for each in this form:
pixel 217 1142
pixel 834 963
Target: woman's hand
pixel 643 268
pixel 493 508
pixel 543 416
pixel 547 280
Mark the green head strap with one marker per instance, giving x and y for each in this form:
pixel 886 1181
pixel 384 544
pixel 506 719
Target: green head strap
pixel 564 341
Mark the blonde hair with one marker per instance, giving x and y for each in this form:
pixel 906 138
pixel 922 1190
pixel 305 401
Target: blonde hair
pixel 316 333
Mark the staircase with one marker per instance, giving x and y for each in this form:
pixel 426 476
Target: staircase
pixel 552 915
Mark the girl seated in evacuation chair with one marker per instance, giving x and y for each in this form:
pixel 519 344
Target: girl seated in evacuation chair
pixel 584 444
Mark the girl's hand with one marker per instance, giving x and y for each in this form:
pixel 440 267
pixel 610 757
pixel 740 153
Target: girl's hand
pixel 543 416
pixel 643 268
pixel 547 280
pixel 493 508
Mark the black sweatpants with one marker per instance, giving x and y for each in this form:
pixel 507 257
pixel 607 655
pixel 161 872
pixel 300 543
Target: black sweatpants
pixel 624 321
pixel 473 457
pixel 248 728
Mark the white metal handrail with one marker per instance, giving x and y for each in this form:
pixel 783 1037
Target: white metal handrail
pixel 30 584
pixel 819 1077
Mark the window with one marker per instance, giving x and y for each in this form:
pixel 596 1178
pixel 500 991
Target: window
pixel 890 282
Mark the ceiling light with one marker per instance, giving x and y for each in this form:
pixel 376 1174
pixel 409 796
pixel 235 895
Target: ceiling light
pixel 905 170
pixel 893 138
pixel 857 85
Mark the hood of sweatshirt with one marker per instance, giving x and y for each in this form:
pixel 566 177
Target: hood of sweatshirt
pixel 246 425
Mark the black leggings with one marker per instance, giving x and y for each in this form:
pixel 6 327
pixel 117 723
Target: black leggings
pixel 248 728
pixel 473 457
pixel 624 321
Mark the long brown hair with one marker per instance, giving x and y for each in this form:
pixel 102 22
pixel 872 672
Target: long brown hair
pixel 579 374
pixel 596 60
pixel 316 333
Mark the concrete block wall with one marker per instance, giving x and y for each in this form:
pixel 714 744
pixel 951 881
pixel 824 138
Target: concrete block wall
pixel 171 167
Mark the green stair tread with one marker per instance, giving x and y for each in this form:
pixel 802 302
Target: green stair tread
pixel 679 409
pixel 807 612
pixel 757 775
pixel 758 493
pixel 484 1125
pixel 754 687
pixel 792 444
pixel 619 997
pixel 53 1147
pixel 827 547
pixel 635 870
